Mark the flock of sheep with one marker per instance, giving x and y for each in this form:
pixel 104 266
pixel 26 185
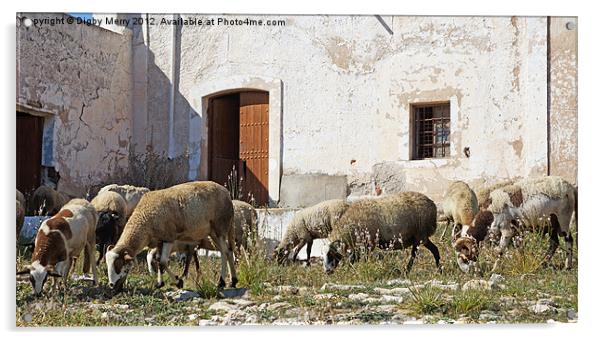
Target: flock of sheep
pixel 122 221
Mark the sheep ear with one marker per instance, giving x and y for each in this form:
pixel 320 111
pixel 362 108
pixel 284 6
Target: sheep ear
pixel 110 247
pixel 127 257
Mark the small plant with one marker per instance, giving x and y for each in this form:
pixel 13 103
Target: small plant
pixel 470 302
pixel 426 300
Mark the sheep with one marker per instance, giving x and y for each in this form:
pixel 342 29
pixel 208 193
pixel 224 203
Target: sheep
pixel 60 239
pixel 483 193
pixel 396 221
pixel 46 201
pixel 307 225
pixel 459 207
pixel 112 210
pixel 130 193
pixel 188 213
pixel 20 210
pixel 531 200
pixel 244 223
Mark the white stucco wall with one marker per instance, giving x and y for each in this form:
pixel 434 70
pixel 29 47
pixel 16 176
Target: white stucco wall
pixel 347 86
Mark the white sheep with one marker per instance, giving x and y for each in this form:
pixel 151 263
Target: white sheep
pixel 307 225
pixel 59 240
pixel 530 201
pixel 395 221
pixel 185 213
pixel 130 193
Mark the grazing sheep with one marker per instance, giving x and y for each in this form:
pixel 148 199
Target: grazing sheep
pixel 46 201
pixel 459 208
pixel 396 221
pixel 245 225
pixel 20 212
pixel 307 225
pixel 483 193
pixel 185 213
pixel 530 201
pixel 130 194
pixel 60 239
pixel 112 209
pixel 20 217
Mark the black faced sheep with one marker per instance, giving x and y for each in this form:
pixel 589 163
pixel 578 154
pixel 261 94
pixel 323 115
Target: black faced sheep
pixel 112 210
pixel 185 213
pixel 307 225
pixel 59 240
pixel 396 221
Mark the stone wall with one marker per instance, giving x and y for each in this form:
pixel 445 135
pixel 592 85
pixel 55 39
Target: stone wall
pixel 79 78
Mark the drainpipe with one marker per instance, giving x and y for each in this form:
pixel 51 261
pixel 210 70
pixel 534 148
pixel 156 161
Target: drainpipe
pixel 172 93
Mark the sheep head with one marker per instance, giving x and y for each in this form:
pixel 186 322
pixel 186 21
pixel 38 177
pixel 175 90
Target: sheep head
pixel 119 263
pixel 333 256
pixel 467 252
pixel 37 275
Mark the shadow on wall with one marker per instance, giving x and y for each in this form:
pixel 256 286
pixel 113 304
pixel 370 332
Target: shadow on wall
pixel 155 99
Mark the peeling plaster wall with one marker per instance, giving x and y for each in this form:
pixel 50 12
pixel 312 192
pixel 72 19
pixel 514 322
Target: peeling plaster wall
pixel 348 85
pixel 80 77
pixel 563 97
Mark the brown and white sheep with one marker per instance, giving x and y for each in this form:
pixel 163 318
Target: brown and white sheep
pixel 186 213
pixel 130 194
pixel 311 223
pixel 60 239
pixel 112 210
pixel 530 201
pixel 46 201
pixel 396 221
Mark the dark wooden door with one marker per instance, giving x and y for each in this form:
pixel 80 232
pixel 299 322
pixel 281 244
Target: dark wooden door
pixel 223 129
pixel 29 151
pixel 238 139
pixel 254 144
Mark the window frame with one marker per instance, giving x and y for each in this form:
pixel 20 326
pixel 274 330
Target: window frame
pixel 414 143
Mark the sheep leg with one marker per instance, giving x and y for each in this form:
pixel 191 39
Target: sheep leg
pixel 412 257
pixel 554 242
pixel 445 231
pixel 227 261
pixel 164 261
pixel 160 282
pixel 90 258
pixel 435 251
pixel 195 257
pixel 568 240
pixel 298 249
pixel 309 244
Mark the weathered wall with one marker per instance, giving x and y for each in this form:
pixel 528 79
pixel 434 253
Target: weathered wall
pixel 79 78
pixel 563 97
pixel 353 111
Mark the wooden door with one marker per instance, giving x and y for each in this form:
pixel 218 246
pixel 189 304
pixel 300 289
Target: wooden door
pixel 29 152
pixel 254 144
pixel 223 139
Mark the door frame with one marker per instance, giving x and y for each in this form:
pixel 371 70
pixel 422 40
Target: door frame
pixel 209 89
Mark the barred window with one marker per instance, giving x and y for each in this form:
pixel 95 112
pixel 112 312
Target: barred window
pixel 431 129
